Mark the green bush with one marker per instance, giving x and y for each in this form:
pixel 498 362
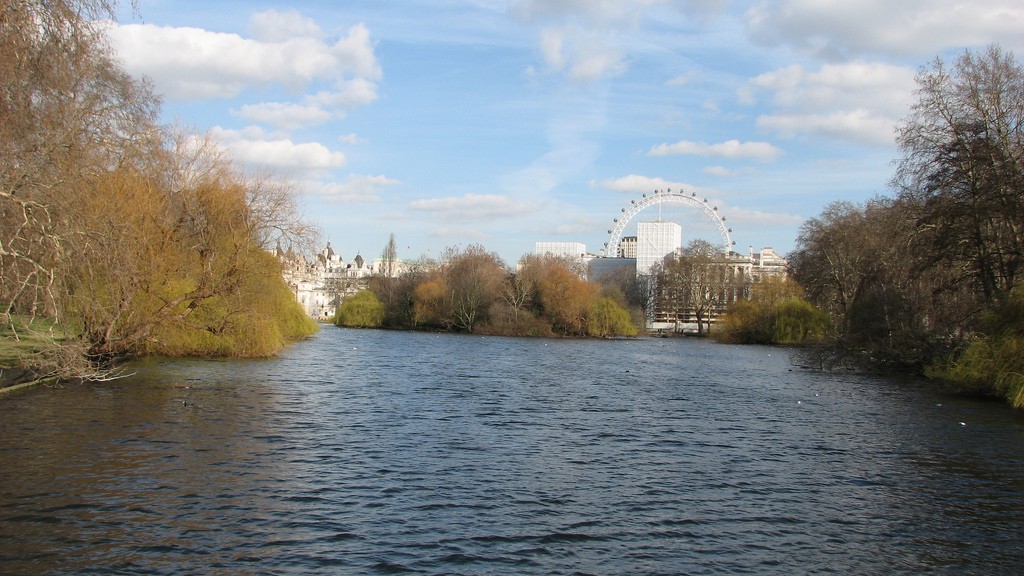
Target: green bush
pixel 607 318
pixel 796 321
pixel 745 322
pixel 789 321
pixel 993 364
pixel 361 310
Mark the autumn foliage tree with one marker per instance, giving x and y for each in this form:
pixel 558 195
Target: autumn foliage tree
pixel 130 237
pixel 66 111
pixel 472 290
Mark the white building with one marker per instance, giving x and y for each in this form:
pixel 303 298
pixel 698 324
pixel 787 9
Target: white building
pixel 561 249
pixel 574 252
pixel 766 263
pixel 322 283
pixel 654 241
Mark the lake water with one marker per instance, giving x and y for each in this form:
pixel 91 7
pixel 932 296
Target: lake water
pixel 372 452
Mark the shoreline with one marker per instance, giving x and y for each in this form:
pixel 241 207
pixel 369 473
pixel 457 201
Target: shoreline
pixel 22 379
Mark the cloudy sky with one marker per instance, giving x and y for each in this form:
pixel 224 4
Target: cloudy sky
pixel 506 122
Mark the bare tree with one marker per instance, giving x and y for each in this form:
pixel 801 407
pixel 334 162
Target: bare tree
pixel 692 283
pixel 517 292
pixel 390 257
pixel 474 279
pixel 963 167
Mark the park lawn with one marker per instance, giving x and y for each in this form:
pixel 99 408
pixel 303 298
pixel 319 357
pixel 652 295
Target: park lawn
pixel 30 338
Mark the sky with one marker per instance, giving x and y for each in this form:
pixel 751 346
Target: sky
pixel 507 122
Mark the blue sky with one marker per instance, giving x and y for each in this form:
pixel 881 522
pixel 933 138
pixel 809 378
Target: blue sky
pixel 506 122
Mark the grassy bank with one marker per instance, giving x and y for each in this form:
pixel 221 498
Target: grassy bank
pixel 25 344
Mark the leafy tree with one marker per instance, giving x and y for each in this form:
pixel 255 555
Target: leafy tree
pixel 134 237
pixel 863 266
pixel 361 310
pixel 992 363
pixel 66 111
pixel 432 303
pixel 398 293
pixel 907 279
pixel 771 290
pixel 775 314
pixel 192 235
pixel 607 318
pixel 746 322
pixel 561 295
pixel 832 257
pixel 796 321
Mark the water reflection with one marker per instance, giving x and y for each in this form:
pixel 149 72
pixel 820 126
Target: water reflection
pixel 365 451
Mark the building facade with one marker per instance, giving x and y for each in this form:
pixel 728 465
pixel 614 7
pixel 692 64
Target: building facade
pixel 654 241
pixel 627 247
pixel 321 283
pixel 693 295
pixel 561 249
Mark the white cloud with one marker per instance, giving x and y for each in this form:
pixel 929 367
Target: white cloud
pixel 584 39
pixel 601 13
pixel 637 184
pixel 195 64
pixel 583 55
pixel 840 29
pixel 681 80
pixel 873 85
pixel 252 148
pixel 860 126
pixel 347 94
pixel 743 217
pixel 315 109
pixel 856 101
pixel 274 26
pixel 551 46
pixel 473 207
pixel 721 171
pixel 356 188
pixel 727 149
pixel 283 115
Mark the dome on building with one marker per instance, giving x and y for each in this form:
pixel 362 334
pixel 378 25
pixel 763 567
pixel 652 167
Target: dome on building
pixel 359 261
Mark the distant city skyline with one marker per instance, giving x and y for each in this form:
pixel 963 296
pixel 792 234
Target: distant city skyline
pixel 505 122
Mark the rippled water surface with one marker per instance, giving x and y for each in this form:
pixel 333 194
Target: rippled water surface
pixel 362 452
